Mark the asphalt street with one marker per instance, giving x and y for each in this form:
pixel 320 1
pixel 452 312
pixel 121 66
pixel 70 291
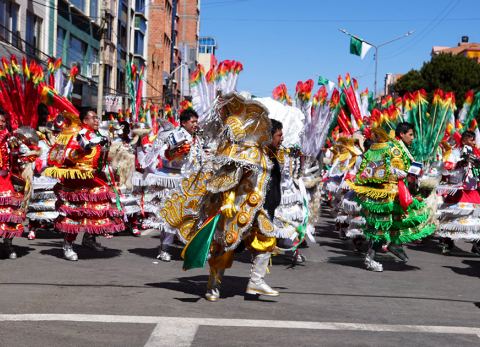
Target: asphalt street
pixel 124 297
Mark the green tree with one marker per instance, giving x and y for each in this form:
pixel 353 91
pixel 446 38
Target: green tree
pixel 445 71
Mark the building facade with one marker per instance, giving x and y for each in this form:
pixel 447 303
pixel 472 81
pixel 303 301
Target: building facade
pixel 187 42
pixel 464 47
pixel 74 35
pixel 207 47
pixel 172 48
pixel 85 33
pixel 24 29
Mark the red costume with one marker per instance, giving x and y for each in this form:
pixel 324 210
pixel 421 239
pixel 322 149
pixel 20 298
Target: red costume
pixel 11 213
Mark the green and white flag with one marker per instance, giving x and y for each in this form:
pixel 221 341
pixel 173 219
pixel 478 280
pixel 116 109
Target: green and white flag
pixel 359 47
pixel 322 81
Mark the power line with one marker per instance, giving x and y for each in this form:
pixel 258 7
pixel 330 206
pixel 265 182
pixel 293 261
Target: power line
pixel 338 20
pixel 64 11
pixel 222 3
pixel 426 30
pixel 41 61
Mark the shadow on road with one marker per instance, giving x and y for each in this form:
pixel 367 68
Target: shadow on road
pixel 152 253
pixel 196 285
pixel 20 250
pixel 432 245
pixel 472 271
pixel 353 259
pixel 83 253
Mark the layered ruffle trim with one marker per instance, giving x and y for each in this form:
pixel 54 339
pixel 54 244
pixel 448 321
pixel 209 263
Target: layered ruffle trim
pixel 388 207
pixel 387 192
pixel 48 205
pixel 387 223
pixel 448 189
pixel 8 230
pixel 460 235
pixel 170 180
pixel 353 232
pixel 401 236
pixel 8 215
pixel 44 183
pixel 103 194
pixel 465 224
pixel 48 216
pixel 61 173
pixel 97 227
pixel 131 209
pixel 351 206
pixel 43 195
pixel 86 212
pixel 293 213
pixel 358 222
pixel 291 198
pixel 331 187
pixel 13 199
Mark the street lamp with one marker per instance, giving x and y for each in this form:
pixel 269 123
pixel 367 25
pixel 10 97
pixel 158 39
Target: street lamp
pixel 376 49
pixel 171 81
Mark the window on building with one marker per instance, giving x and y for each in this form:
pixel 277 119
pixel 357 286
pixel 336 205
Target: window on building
pixel 140 6
pixel 140 23
pixel 63 9
pixel 121 58
pixel 168 8
pixel 9 30
pixel 94 55
pixel 122 35
pixel 14 25
pixel 3 21
pixel 109 28
pixel 77 53
pixel 107 79
pixel 80 4
pixel 94 8
pixel 124 13
pixel 139 43
pixel 120 81
pixel 33 32
pixel 61 33
pixel 206 45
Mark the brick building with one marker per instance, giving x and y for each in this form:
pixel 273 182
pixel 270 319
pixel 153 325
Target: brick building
pixel 172 48
pixel 187 41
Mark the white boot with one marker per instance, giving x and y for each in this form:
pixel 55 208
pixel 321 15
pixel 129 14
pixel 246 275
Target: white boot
pixel 370 262
pixel 213 285
pixel 9 248
pixel 68 251
pixel 257 285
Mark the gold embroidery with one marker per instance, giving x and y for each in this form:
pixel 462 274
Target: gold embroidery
pixel 231 237
pixel 243 218
pixel 254 199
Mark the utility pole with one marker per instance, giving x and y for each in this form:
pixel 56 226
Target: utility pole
pixel 376 50
pixel 173 66
pixel 101 60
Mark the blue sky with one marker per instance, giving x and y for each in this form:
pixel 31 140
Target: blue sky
pixel 286 41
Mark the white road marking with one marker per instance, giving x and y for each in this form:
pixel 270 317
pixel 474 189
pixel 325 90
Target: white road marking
pixel 172 334
pixel 180 331
pixel 149 232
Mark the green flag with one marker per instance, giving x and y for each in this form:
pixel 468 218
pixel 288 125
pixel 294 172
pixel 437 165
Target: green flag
pixel 196 251
pixel 322 81
pixel 359 47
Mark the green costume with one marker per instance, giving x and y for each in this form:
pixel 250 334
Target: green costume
pixel 384 165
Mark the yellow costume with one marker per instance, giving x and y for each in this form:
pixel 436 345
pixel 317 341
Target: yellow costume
pixel 234 184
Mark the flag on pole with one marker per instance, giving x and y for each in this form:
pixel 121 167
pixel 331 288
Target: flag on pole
pixel 359 47
pixel 322 81
pixel 196 251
